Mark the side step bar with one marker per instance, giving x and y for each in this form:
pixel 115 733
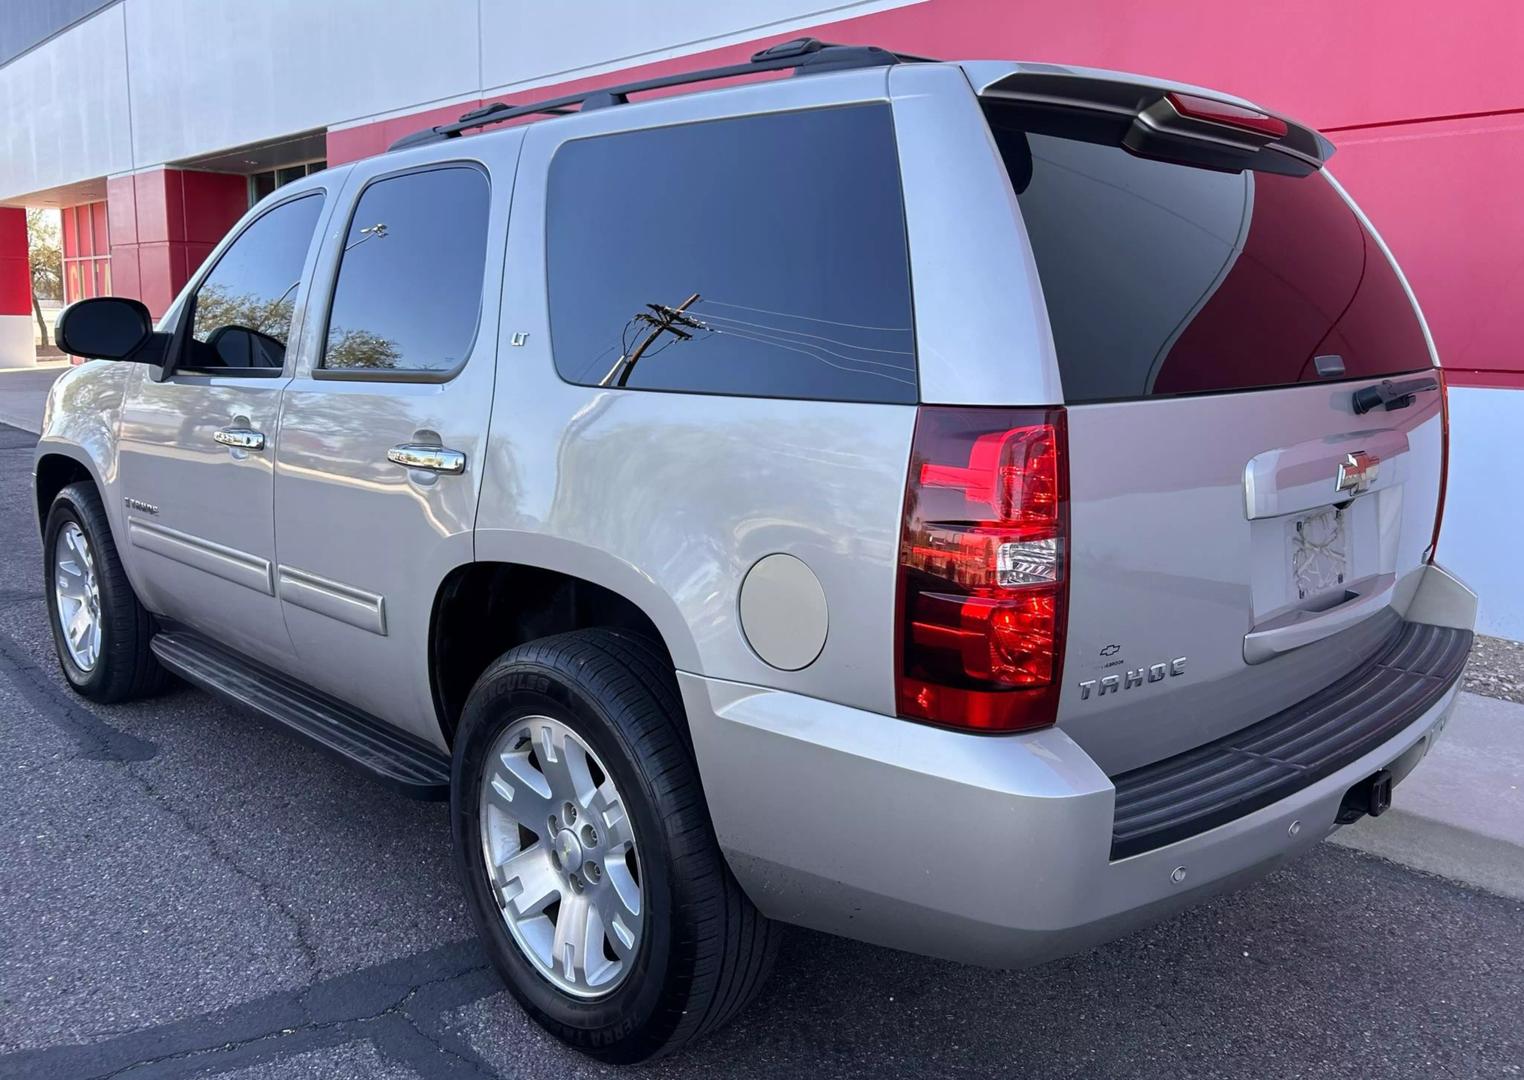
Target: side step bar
pixel 397 759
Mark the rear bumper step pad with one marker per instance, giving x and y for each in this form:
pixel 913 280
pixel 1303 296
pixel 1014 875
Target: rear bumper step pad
pixel 1202 788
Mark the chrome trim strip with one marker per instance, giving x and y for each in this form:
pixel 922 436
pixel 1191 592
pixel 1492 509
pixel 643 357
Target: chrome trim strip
pixel 347 604
pixel 230 564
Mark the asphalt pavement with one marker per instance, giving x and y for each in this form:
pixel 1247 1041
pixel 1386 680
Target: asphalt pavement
pixel 187 892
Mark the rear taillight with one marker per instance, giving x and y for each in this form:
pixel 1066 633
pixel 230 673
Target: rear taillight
pixel 1444 459
pixel 1233 116
pixel 983 580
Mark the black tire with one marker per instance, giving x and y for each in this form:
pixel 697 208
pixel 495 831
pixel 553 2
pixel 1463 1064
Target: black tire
pixel 706 950
pixel 126 668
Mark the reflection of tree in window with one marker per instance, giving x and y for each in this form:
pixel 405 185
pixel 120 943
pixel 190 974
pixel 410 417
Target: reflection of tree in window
pixel 215 308
pixel 360 349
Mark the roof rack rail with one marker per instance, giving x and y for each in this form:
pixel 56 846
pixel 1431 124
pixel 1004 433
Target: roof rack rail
pixel 804 55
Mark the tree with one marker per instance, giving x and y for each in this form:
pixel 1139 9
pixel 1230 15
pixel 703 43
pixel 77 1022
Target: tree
pixel 46 259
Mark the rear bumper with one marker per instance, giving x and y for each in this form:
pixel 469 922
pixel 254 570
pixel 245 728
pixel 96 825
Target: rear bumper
pixel 987 850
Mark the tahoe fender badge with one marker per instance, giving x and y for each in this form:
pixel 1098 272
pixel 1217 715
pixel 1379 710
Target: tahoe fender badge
pixel 1111 684
pixel 139 505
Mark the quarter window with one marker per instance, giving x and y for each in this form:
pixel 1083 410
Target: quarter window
pixel 242 310
pixel 761 256
pixel 409 292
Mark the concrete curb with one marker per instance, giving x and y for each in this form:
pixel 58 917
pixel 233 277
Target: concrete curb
pixel 1460 814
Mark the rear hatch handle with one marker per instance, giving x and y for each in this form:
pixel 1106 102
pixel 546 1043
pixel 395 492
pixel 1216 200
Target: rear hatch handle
pixel 1328 615
pixel 1391 395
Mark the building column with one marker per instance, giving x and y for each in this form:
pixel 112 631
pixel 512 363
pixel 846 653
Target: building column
pixel 163 224
pixel 17 345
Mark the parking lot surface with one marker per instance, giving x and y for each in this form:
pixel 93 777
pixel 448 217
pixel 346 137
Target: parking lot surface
pixel 187 892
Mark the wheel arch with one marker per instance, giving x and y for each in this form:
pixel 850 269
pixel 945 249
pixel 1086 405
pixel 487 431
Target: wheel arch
pixel 483 609
pixel 56 466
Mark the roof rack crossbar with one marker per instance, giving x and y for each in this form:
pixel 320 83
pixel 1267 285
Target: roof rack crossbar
pixel 803 55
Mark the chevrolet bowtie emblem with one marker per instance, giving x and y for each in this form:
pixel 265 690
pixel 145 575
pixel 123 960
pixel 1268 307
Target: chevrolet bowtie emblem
pixel 1357 472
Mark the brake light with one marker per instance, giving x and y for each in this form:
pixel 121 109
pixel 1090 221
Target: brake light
pixel 983 583
pixel 1444 459
pixel 1234 116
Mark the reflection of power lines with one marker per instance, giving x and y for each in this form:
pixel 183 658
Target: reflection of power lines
pixel 810 318
pixel 818 347
pixel 667 326
pixel 666 320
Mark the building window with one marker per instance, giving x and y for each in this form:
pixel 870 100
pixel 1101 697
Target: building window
pixel 86 251
pixel 262 183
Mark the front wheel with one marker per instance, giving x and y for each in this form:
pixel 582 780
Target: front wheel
pixel 100 630
pixel 588 859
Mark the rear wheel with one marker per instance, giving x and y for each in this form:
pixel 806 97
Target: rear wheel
pixel 100 630
pixel 587 857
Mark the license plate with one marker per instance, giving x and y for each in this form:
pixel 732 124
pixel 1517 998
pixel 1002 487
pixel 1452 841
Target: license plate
pixel 1318 545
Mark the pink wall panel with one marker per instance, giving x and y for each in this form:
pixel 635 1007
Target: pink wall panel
pixel 15 269
pixel 1442 196
pixel 163 223
pixel 211 203
pixel 121 211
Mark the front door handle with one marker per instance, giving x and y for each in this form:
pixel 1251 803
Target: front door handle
pixel 440 459
pixel 241 438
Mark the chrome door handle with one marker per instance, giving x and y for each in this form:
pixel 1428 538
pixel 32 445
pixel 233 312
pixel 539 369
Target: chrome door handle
pixel 440 459
pixel 242 438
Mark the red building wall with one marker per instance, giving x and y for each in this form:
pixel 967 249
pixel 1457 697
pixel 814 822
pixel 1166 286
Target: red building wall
pixel 163 223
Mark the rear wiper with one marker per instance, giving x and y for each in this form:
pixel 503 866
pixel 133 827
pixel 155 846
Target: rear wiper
pixel 1392 395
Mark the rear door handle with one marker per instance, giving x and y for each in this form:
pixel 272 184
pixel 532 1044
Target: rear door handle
pixel 241 438
pixel 439 459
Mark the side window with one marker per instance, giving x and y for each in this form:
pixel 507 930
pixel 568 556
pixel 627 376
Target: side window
pixel 762 256
pixel 409 292
pixel 241 312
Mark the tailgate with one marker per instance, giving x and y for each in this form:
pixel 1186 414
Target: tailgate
pixel 1241 535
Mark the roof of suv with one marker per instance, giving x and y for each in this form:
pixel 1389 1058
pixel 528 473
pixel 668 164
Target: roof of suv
pixel 804 56
pixel 1092 89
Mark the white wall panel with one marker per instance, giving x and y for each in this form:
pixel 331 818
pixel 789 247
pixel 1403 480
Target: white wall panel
pixel 63 109
pixel 1484 505
pixel 530 41
pixel 211 74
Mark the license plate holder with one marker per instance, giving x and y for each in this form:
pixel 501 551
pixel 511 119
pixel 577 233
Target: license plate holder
pixel 1317 548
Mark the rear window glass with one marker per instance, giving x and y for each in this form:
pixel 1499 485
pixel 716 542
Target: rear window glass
pixel 1168 279
pixel 762 256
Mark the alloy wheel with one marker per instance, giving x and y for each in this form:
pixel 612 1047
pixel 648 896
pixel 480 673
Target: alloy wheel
pixel 561 856
pixel 78 596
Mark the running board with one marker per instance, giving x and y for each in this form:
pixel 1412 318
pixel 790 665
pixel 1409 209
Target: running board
pixel 399 760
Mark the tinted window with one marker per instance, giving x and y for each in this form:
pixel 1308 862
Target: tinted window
pixel 242 309
pixel 761 256
pixel 1167 279
pixel 409 292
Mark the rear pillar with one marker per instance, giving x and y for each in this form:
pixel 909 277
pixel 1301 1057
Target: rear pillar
pixel 17 345
pixel 164 223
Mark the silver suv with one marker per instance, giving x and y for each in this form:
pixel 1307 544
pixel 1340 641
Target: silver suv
pixel 973 508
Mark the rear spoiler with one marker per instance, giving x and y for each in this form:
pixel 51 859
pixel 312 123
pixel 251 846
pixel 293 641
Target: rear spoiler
pixel 1161 119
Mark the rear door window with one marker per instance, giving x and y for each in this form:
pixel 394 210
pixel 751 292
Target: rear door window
pixel 409 290
pixel 1167 279
pixel 759 256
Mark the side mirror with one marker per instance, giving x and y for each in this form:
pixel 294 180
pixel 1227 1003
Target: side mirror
pixel 104 328
pixel 241 347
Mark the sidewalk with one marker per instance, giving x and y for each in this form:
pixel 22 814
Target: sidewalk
pixel 1460 814
pixel 24 391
